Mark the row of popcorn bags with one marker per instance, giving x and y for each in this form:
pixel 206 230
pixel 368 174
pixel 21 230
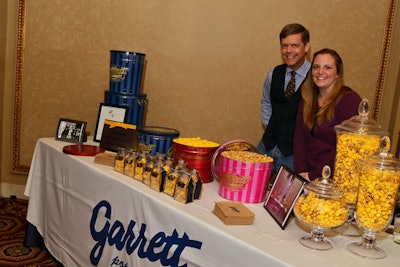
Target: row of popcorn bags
pixel 160 173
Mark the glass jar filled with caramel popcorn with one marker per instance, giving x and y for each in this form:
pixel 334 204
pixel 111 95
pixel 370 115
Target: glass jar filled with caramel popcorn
pixel 377 194
pixel 357 138
pixel 321 207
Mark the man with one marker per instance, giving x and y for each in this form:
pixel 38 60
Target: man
pixel 281 96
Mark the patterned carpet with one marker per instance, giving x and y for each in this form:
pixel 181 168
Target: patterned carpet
pixel 12 233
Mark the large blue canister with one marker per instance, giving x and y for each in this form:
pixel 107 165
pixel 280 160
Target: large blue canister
pixel 126 71
pixel 156 139
pixel 136 105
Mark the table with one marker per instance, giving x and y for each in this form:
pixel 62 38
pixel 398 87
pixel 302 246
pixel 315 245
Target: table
pixel 90 215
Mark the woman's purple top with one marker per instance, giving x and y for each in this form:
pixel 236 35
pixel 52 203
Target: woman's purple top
pixel 316 148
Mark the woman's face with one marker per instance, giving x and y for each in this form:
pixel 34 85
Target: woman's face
pixel 324 72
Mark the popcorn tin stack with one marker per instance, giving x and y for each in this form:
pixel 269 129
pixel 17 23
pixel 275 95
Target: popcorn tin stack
pixel 126 75
pixel 244 176
pixel 357 138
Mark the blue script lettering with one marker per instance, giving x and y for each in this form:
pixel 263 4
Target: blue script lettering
pixel 157 248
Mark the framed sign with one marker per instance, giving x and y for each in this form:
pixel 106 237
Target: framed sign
pixel 287 187
pixel 118 134
pixel 72 131
pixel 111 113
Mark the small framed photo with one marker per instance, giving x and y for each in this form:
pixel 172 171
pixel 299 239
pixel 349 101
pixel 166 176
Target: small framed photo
pixel 280 201
pixel 111 113
pixel 72 131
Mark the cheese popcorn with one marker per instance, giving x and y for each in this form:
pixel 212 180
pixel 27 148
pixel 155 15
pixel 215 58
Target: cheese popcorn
pixel 376 197
pixel 320 211
pixel 195 141
pixel 350 148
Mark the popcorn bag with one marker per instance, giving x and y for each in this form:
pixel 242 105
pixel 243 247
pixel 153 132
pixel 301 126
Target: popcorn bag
pixel 244 180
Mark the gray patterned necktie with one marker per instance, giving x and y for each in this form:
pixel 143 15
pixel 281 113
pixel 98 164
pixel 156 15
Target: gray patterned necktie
pixel 291 85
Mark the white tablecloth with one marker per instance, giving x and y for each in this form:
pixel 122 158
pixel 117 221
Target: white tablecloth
pixel 90 215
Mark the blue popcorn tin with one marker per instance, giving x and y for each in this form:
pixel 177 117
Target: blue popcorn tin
pixel 126 71
pixel 136 105
pixel 156 139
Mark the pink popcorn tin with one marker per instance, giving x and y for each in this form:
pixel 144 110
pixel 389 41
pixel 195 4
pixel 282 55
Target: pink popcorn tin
pixel 243 181
pixel 235 145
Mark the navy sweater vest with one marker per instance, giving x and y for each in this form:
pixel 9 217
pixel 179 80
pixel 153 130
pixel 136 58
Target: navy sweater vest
pixel 281 126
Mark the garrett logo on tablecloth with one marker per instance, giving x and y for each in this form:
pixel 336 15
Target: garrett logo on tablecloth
pixel 123 237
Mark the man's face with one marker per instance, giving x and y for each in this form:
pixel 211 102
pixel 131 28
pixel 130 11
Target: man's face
pixel 294 51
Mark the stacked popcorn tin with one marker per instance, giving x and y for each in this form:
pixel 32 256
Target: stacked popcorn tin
pixel 126 74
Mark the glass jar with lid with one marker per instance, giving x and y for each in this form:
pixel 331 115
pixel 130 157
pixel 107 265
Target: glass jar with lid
pixel 320 207
pixel 357 138
pixel 378 187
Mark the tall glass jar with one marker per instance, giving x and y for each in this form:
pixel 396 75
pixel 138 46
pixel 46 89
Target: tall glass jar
pixel 379 183
pixel 357 138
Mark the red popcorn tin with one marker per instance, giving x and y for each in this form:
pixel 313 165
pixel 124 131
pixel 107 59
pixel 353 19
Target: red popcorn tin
pixel 198 158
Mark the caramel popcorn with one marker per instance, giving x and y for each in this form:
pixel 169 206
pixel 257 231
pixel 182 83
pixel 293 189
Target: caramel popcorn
pixel 318 211
pixel 139 168
pixel 247 156
pixel 170 182
pixel 119 164
pixel 195 141
pixel 156 178
pixel 129 169
pixel 183 189
pixel 376 197
pixel 238 146
pixel 349 148
pixel 147 172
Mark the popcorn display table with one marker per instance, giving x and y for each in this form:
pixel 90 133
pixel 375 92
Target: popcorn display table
pixel 90 215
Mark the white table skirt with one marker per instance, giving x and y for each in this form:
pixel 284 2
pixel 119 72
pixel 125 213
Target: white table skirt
pixel 72 201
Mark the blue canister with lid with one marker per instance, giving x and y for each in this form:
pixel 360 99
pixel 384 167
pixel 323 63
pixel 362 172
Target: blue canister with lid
pixel 126 71
pixel 156 139
pixel 136 105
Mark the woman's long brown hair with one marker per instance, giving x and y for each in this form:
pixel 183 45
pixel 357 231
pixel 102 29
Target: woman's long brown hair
pixel 313 114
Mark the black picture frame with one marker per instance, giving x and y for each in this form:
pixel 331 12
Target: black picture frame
pixel 72 131
pixel 284 192
pixel 108 112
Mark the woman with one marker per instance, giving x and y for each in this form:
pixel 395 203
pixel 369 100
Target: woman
pixel 326 102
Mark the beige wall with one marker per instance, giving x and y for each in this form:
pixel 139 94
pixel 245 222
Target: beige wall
pixel 206 60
